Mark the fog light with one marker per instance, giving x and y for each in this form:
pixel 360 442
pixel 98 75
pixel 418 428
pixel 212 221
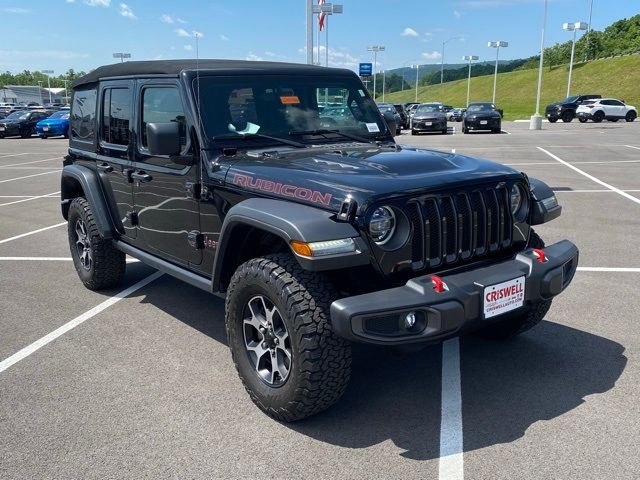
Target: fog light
pixel 410 320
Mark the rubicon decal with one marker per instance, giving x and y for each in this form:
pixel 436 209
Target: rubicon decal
pixel 286 190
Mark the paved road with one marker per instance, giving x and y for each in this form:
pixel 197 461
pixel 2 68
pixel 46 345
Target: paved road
pixel 145 388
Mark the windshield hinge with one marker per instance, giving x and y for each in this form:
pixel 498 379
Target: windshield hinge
pixel 193 189
pixel 196 239
pixel 347 211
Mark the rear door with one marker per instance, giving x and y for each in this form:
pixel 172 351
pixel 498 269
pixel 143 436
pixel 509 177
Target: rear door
pixel 113 160
pixel 164 191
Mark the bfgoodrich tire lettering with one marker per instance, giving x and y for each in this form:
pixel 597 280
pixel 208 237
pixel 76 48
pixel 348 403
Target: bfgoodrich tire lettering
pixel 523 319
pixel 98 263
pixel 321 361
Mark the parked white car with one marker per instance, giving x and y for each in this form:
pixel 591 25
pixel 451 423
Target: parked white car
pixel 606 109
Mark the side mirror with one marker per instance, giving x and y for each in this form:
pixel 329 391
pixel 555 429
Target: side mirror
pixel 164 138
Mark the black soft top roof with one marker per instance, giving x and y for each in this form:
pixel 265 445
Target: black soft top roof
pixel 174 67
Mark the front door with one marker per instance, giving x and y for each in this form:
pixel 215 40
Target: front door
pixel 167 212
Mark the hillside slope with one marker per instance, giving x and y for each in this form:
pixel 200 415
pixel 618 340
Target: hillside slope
pixel 516 92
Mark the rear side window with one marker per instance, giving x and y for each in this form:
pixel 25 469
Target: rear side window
pixel 116 116
pixel 83 116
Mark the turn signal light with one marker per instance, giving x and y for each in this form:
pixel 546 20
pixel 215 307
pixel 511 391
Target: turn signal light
pixel 301 248
pixel 327 247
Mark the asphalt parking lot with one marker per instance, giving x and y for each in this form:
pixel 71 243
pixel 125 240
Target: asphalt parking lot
pixel 144 385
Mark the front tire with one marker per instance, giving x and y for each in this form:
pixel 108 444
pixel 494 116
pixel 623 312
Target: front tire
pixel 98 263
pixel 523 319
pixel 567 116
pixel 630 116
pixel 552 119
pixel 281 339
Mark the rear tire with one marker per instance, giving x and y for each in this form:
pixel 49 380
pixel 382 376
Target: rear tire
pixel 567 116
pixel 523 319
pixel 273 298
pixel 582 120
pixel 496 130
pixel 598 116
pixel 413 132
pixel 43 137
pixel 552 120
pixel 98 263
pixel 630 116
pixel 25 134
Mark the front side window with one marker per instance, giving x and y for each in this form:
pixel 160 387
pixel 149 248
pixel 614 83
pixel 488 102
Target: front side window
pixel 162 105
pixel 116 116
pixel 284 107
pixel 83 115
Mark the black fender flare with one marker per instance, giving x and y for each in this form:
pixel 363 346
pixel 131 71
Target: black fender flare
pixel 544 205
pixel 89 182
pixel 289 221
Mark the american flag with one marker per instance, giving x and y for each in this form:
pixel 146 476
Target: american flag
pixel 321 16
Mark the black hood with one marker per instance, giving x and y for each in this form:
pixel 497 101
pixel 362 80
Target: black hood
pixel 325 176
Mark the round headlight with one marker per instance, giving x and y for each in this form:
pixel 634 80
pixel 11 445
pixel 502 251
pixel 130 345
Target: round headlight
pixel 382 225
pixel 519 203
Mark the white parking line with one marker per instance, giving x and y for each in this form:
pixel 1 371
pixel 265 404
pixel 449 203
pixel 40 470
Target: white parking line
pixel 591 191
pixel 609 269
pixel 591 177
pixel 29 176
pixel 50 259
pixel 631 146
pixel 13 155
pixel 29 163
pixel 28 199
pixel 451 463
pixel 38 344
pixel 32 233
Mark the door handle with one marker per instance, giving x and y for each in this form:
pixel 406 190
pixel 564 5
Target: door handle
pixel 140 176
pixel 104 167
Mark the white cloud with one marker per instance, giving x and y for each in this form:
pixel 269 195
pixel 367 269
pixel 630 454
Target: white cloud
pixel 337 58
pixel 125 11
pixel 71 1
pixel 431 55
pixel 56 54
pixel 270 54
pixel 492 3
pixel 409 32
pixel 179 20
pixel 224 38
pixel 98 3
pixel 457 14
pixel 188 47
pixel 164 18
pixel 181 32
pixel 253 57
pixel 16 10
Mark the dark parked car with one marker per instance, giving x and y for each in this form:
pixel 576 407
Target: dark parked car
pixel 21 123
pixel 482 116
pixel 457 114
pixel 404 118
pixel 429 117
pixel 221 174
pixel 391 116
pixel 566 109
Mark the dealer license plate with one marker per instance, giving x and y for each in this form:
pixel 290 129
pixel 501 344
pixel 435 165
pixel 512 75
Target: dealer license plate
pixel 45 129
pixel 483 122
pixel 428 124
pixel 1 129
pixel 503 297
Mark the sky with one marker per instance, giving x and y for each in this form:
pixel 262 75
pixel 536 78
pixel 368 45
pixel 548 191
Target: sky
pixel 83 34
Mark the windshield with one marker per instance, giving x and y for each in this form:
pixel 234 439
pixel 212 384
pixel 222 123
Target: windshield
pixel 278 106
pixel 476 107
pixel 18 116
pixel 428 108
pixel 573 99
pixel 62 114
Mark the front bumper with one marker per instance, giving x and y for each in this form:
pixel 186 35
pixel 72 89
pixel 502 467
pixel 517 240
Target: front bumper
pixel 586 115
pixel 491 123
pixel 53 130
pixel 10 130
pixel 377 317
pixel 423 125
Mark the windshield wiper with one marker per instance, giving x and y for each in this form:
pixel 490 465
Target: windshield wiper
pixel 245 136
pixel 326 131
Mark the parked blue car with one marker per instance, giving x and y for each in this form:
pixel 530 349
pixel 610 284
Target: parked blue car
pixel 55 125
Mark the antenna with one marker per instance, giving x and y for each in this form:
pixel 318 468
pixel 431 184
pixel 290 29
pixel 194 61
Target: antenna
pixel 197 35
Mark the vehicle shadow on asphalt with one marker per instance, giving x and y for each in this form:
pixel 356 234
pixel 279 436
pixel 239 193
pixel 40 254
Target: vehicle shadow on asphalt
pixel 506 387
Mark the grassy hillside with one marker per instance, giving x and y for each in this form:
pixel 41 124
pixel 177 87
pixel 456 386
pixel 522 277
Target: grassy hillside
pixel 516 92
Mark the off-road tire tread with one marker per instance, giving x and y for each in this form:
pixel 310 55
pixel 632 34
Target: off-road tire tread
pixel 324 360
pixel 109 264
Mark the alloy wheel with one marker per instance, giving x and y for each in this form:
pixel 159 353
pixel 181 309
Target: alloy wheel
pixel 83 245
pixel 267 341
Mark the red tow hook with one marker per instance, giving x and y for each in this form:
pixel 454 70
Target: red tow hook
pixel 438 285
pixel 539 253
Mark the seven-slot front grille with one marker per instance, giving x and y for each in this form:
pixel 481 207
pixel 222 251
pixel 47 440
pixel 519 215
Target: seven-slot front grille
pixel 448 229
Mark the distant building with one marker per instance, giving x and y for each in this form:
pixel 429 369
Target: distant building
pixel 23 94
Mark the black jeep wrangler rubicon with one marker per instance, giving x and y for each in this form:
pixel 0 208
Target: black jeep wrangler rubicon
pixel 318 229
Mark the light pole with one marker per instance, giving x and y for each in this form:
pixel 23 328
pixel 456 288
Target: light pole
pixel 309 25
pixel 47 73
pixel 586 53
pixel 572 27
pixel 497 46
pixel 536 119
pixel 469 58
pixel 417 67
pixel 324 10
pixel 121 56
pixel 375 49
pixel 442 58
pixel 40 90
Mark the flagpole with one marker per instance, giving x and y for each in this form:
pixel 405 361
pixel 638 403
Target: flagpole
pixel 326 51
